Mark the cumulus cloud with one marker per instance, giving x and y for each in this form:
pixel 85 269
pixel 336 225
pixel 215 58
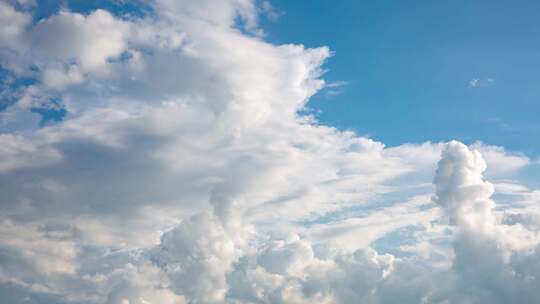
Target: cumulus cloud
pixel 60 77
pixel 460 190
pixel 88 40
pixel 184 172
pixel 12 24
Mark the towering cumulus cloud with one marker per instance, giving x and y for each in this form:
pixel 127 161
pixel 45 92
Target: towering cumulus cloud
pixel 161 154
pixel 461 191
pixel 489 256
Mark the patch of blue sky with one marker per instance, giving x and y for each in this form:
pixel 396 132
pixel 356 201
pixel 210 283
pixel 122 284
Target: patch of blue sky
pixel 530 175
pixel 51 112
pixel 10 87
pixel 120 8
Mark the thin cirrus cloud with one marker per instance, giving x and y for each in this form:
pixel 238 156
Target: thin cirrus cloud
pixel 184 173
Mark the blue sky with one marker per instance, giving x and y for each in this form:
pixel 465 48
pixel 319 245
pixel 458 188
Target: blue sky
pixel 409 67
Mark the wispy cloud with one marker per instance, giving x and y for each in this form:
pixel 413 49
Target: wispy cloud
pixel 335 88
pixel 271 12
pixel 481 82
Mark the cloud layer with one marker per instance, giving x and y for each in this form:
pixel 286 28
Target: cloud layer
pixel 163 158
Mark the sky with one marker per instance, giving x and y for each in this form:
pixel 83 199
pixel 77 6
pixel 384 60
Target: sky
pixel 280 152
pixel 439 71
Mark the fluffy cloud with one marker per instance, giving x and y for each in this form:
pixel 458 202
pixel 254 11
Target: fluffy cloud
pixel 87 40
pixel 12 25
pixel 184 173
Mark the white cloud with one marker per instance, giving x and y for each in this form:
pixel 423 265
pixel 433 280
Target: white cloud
pixel 461 192
pixel 88 40
pixel 18 152
pixel 335 88
pixel 60 77
pixel 481 82
pixel 184 174
pixel 501 162
pixel 12 25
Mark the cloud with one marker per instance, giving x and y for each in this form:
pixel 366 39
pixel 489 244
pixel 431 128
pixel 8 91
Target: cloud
pixel 270 11
pixel 481 82
pixel 501 162
pixel 184 172
pixel 460 190
pixel 487 251
pixel 12 24
pixel 335 88
pixel 18 152
pixel 88 40
pixel 60 77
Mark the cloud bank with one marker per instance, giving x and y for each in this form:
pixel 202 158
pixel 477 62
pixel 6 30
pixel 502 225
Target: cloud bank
pixel 163 158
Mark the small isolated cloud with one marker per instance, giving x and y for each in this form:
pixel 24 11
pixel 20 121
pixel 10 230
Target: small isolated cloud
pixel 481 82
pixel 336 84
pixel 271 12
pixel 335 88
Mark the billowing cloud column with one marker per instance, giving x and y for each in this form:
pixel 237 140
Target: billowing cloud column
pixel 461 191
pixel 484 269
